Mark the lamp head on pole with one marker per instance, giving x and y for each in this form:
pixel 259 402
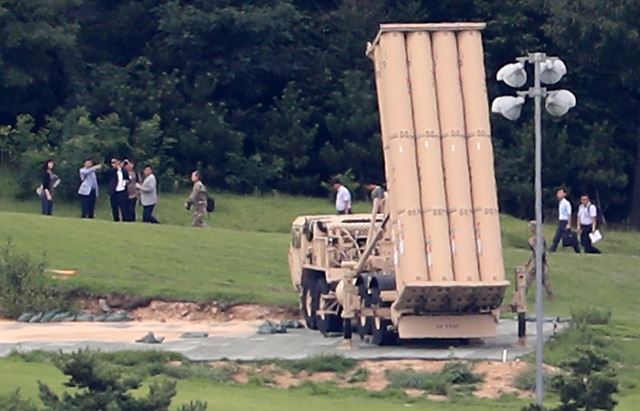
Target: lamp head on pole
pixel 552 70
pixel 513 75
pixel 508 106
pixel 559 102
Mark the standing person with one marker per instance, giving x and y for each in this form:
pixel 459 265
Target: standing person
pixel 49 183
pixel 148 195
pixel 564 221
pixel 132 190
pixel 587 223
pixel 343 197
pixel 530 265
pixel 117 190
pixel 375 191
pixel 197 200
pixel 88 190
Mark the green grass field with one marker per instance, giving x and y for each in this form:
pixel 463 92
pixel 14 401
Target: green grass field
pixel 242 258
pixel 234 397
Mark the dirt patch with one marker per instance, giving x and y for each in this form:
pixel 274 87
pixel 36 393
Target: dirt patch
pixel 377 371
pixel 145 309
pixel 166 310
pixel 498 377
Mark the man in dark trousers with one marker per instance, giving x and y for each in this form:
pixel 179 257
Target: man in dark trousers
pixel 118 179
pixel 587 222
pixel 564 221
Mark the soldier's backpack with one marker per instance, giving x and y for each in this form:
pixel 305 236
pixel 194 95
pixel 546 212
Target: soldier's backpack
pixel 211 204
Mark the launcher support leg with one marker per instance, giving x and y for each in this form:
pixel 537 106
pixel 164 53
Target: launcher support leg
pixel 520 302
pixel 350 304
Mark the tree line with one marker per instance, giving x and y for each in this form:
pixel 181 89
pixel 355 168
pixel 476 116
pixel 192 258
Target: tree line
pixel 268 95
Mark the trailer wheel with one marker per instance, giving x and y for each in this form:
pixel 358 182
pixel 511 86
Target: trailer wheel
pixel 380 334
pixel 326 323
pixel 364 322
pixel 308 303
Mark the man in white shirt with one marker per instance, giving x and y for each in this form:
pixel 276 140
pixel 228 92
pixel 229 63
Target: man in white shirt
pixel 118 179
pixel 564 221
pixel 343 198
pixel 587 215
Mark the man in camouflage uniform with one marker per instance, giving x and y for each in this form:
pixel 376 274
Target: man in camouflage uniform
pixel 530 265
pixel 197 200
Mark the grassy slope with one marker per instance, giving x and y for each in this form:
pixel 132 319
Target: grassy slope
pixel 242 264
pixel 163 260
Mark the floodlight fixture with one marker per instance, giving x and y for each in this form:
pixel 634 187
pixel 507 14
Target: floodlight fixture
pixel 559 102
pixel 508 106
pixel 552 70
pixel 513 74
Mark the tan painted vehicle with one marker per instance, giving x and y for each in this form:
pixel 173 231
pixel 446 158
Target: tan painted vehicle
pixel 427 262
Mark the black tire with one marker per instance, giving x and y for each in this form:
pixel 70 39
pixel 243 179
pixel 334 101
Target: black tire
pixel 364 323
pixel 309 303
pixel 380 334
pixel 326 323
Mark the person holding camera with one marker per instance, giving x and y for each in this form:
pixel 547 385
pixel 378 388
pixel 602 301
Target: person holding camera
pixel 118 178
pixel 88 190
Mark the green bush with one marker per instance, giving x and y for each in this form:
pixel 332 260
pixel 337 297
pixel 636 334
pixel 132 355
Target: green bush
pixel 588 383
pixel 584 316
pixel 455 377
pixel 409 379
pixel 360 375
pixel 24 286
pixel 15 402
pixel 526 381
pixel 319 363
pixel 459 373
pixel 194 406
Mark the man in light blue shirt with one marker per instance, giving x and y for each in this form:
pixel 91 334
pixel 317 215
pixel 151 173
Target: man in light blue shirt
pixel 88 190
pixel 564 221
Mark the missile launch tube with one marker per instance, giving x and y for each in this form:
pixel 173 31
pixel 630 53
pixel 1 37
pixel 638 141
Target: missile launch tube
pixel 454 154
pixel 429 156
pixel 411 265
pixel 480 152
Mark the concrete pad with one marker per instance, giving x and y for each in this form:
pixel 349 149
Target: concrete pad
pixel 239 341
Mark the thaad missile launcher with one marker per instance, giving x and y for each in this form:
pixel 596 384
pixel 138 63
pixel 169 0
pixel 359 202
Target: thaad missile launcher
pixel 427 262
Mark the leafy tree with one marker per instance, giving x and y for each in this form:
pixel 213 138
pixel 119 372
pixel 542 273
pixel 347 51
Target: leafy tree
pixel 36 36
pixel 603 54
pixel 589 383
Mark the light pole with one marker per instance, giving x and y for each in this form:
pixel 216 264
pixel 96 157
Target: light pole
pixel 548 70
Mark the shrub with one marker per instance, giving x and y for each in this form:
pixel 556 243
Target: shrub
pixel 194 406
pixel 24 286
pixel 319 363
pixel 15 402
pixel 360 375
pixel 581 317
pixel 589 382
pixel 526 381
pixel 454 377
pixel 460 373
pixel 409 379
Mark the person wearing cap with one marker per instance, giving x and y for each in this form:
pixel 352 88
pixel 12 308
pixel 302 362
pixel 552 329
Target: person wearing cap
pixel 197 201
pixel 530 265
